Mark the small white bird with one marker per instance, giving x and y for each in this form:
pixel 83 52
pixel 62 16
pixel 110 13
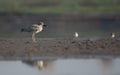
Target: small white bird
pixel 113 35
pixel 35 28
pixel 76 34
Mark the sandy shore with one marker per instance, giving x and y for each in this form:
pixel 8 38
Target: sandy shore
pixel 24 47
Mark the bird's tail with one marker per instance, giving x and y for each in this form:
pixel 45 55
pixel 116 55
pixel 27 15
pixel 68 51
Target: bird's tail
pixel 22 30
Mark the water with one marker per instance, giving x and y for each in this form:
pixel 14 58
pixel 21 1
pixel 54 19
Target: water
pixel 61 67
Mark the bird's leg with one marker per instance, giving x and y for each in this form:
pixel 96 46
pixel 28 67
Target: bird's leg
pixel 33 37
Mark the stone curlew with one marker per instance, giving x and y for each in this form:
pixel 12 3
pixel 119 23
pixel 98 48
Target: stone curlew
pixel 35 28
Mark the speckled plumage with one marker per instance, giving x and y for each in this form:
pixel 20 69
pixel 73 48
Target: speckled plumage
pixel 35 28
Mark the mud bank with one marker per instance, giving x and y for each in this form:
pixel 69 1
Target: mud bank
pixel 58 47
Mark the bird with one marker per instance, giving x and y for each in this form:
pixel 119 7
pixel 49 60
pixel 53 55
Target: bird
pixel 35 29
pixel 76 34
pixel 113 35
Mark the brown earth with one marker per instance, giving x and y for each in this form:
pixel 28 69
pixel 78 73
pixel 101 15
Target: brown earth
pixel 13 47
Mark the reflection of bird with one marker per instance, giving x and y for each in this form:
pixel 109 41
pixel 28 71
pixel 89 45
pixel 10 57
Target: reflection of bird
pixel 35 28
pixel 41 64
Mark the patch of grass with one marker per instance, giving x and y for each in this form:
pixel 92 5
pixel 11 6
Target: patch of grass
pixel 59 6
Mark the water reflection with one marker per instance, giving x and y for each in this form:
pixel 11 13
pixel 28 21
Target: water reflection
pixel 61 67
pixel 108 66
pixel 40 64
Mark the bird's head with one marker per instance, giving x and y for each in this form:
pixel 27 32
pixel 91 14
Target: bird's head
pixel 42 23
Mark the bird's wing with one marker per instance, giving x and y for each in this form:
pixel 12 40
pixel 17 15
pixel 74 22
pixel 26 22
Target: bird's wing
pixel 35 26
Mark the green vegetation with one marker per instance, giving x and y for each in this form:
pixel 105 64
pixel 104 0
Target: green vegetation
pixel 59 6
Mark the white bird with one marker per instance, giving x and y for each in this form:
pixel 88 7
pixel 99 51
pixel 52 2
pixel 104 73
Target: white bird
pixel 76 34
pixel 35 28
pixel 113 35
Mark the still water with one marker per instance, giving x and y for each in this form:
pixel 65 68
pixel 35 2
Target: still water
pixel 61 67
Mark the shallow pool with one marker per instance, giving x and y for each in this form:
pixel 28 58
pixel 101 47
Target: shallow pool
pixel 61 67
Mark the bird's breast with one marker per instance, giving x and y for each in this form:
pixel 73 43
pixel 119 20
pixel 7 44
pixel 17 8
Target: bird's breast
pixel 40 28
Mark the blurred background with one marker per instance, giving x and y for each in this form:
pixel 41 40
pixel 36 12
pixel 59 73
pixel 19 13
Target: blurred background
pixel 90 18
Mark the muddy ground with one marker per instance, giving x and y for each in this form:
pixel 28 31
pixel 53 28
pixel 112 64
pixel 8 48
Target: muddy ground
pixel 20 46
pixel 24 47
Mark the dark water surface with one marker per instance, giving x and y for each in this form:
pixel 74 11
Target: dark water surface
pixel 61 67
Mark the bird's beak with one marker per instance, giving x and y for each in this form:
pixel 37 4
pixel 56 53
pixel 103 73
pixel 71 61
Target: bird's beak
pixel 45 26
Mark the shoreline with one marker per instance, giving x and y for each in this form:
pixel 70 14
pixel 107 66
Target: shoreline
pixel 61 57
